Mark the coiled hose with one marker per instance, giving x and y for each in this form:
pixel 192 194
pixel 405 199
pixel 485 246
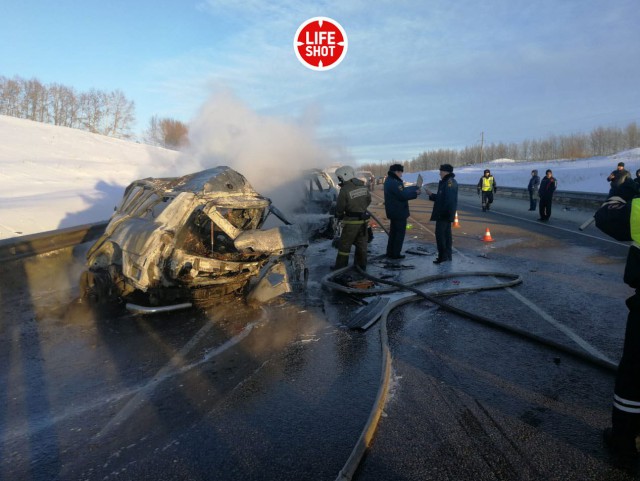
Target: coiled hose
pixel 366 436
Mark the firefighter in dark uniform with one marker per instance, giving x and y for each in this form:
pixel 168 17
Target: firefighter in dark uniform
pixel 487 185
pixel 444 212
pixel 351 209
pixel 621 437
pixel 396 206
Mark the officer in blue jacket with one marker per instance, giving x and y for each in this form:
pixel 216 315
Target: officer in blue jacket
pixel 444 211
pixel 396 206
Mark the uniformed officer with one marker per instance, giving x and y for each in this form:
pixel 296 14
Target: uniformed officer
pixel 625 418
pixel 396 206
pixel 444 211
pixel 487 185
pixel 351 208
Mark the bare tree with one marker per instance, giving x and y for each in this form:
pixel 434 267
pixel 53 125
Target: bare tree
pixel 92 110
pixel 168 133
pixel 119 115
pixel 632 134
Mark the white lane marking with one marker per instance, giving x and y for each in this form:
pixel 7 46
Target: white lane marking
pixel 561 327
pixel 140 392
pixel 174 366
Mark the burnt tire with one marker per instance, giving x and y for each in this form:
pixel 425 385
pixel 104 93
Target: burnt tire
pixel 96 287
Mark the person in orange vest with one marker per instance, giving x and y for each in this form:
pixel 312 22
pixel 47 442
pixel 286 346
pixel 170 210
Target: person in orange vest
pixel 625 417
pixel 487 185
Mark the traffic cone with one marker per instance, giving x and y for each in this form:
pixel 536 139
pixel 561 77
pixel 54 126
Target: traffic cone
pixel 487 236
pixel 455 221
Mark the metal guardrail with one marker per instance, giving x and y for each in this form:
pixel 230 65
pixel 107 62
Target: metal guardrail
pixel 41 243
pixel 34 244
pixel 575 199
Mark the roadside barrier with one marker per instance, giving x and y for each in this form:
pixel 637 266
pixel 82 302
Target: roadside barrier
pixel 43 242
pixel 34 244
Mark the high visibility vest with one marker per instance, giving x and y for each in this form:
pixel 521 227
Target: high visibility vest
pixel 635 221
pixel 487 183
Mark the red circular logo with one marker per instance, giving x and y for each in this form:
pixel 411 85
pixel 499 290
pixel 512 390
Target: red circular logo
pixel 320 43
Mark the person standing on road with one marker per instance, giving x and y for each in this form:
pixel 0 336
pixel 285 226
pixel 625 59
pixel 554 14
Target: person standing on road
pixel 617 177
pixel 487 185
pixel 637 179
pixel 624 187
pixel 444 211
pixel 548 186
pixel 396 206
pixel 625 416
pixel 534 184
pixel 351 209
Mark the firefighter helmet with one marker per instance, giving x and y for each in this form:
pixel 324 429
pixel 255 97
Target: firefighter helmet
pixel 345 173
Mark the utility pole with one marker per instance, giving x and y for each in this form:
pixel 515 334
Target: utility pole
pixel 481 146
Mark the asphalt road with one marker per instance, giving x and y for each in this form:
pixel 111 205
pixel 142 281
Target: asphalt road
pixel 283 391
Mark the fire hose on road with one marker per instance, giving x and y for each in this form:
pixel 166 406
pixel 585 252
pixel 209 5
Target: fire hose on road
pixel 368 431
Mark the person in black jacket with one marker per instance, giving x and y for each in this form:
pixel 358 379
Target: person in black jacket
pixel 444 212
pixel 534 184
pixel 637 179
pixel 548 186
pixel 624 186
pixel 617 177
pixel 396 206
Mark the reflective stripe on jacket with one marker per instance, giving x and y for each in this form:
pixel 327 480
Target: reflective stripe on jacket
pixel 635 221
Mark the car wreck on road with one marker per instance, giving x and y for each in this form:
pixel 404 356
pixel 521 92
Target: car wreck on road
pixel 316 212
pixel 193 240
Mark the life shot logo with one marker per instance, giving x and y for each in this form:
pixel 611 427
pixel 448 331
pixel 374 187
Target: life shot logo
pixel 320 43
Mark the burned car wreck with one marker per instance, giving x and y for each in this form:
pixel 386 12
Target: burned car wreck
pixel 317 209
pixel 196 239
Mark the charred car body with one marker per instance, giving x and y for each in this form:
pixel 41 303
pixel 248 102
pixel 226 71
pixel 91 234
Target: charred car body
pixel 193 239
pixel 318 207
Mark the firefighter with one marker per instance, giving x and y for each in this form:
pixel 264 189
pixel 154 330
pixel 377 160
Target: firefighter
pixel 487 185
pixel 625 416
pixel 351 209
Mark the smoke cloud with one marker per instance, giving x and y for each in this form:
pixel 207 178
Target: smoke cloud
pixel 270 152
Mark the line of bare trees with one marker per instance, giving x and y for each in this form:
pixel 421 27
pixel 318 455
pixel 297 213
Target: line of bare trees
pixel 167 132
pixel 107 113
pixel 600 141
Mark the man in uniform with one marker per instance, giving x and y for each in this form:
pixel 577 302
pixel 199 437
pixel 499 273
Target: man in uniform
pixel 351 208
pixel 625 417
pixel 444 211
pixel 487 185
pixel 534 184
pixel 396 206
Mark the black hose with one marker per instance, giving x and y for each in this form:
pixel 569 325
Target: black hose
pixel 575 353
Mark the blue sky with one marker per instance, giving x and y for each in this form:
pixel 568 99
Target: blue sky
pixel 418 75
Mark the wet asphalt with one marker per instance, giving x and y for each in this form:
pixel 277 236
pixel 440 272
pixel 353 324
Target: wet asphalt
pixel 283 391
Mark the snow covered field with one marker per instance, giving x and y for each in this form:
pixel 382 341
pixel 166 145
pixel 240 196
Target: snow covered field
pixel 55 177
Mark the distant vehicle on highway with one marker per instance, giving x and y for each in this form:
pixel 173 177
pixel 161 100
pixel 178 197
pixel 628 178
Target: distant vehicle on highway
pixel 173 242
pixel 367 177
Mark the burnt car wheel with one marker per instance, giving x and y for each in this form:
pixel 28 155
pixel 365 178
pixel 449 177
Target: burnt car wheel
pixel 95 287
